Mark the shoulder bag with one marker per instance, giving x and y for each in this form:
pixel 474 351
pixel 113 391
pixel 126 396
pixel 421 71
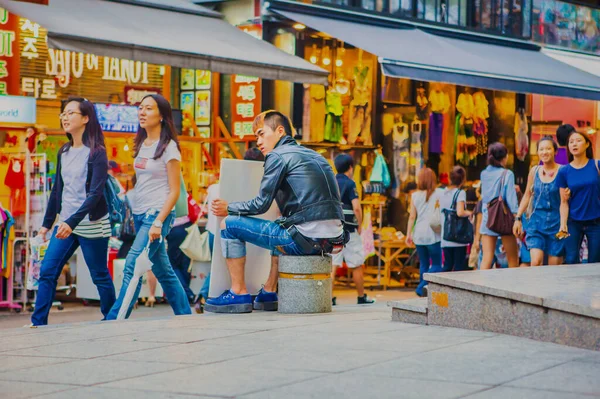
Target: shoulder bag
pixel 500 218
pixel 457 229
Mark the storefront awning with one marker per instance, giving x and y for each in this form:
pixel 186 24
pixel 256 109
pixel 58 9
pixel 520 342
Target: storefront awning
pixel 588 63
pixel 163 35
pixel 414 53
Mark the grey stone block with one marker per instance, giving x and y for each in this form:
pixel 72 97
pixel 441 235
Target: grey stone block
pixel 453 307
pixel 300 291
pixel 418 305
pixel 407 316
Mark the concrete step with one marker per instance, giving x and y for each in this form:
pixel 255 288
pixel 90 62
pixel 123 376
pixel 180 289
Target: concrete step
pixel 412 311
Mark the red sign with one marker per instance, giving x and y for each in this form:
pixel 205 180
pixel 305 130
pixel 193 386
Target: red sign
pixel 245 94
pixel 9 53
pixel 134 94
pixel 245 103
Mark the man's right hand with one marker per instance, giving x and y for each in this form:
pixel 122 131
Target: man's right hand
pixel 42 233
pixel 219 208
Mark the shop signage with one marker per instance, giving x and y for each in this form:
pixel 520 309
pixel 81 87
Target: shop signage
pixel 117 118
pixel 17 109
pixel 245 95
pixel 134 95
pixel 9 53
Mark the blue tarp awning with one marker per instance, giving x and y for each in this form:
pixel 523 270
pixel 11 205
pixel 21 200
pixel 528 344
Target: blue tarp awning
pixel 418 54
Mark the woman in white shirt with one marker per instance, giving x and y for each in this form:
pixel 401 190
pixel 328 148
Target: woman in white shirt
pixel 158 171
pixel 425 201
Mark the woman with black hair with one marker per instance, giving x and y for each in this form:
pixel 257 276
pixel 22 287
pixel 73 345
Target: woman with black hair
pixel 580 209
pixel 542 197
pixel 496 181
pixel 77 198
pixel 158 171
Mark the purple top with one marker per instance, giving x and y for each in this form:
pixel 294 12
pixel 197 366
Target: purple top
pixel 561 157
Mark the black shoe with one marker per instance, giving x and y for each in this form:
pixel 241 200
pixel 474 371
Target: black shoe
pixel 334 301
pixel 365 300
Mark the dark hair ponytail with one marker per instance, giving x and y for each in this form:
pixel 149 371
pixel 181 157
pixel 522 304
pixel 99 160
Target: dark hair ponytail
pixel 496 153
pixel 167 128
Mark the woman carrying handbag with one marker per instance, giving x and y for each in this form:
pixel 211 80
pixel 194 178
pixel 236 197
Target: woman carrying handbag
pixel 457 230
pixel 499 198
pixel 158 174
pixel 419 230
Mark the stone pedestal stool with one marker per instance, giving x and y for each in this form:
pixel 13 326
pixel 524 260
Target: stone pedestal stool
pixel 304 284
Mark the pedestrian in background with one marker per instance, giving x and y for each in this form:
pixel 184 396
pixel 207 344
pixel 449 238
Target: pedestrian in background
pixel 424 203
pixel 542 197
pixel 580 204
pixel 78 200
pixel 497 180
pixel 455 254
pixel 158 171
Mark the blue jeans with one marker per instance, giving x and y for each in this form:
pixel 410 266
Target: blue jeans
pixel 262 233
pixel 179 261
pixel 161 267
pixel 95 253
pixel 430 257
pixel 577 230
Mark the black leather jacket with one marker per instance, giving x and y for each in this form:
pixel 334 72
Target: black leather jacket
pixel 302 183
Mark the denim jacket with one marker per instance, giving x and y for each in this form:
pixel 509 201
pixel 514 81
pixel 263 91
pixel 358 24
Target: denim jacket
pixel 94 205
pixel 301 182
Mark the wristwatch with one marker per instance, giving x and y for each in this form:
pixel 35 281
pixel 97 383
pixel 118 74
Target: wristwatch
pixel 157 223
pixel 518 218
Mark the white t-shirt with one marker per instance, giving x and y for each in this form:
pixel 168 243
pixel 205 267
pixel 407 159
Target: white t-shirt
pixel 423 233
pixel 446 203
pixel 152 186
pixel 332 228
pixel 74 169
pixel 213 193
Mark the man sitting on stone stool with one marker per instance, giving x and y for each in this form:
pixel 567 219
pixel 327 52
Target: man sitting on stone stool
pixel 304 186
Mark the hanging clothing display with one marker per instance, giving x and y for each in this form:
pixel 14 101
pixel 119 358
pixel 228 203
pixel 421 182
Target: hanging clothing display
pixel 333 121
pixel 465 146
pixel 6 235
pixel 480 124
pixel 401 147
pixel 306 114
pixel 317 112
pixel 521 139
pixel 466 105
pixel 416 149
pixel 436 131
pixel 360 118
pixel 422 104
pixel 15 180
pixel 439 101
pixel 380 172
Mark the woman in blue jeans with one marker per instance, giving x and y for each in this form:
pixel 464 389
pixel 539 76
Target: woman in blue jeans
pixel 580 210
pixel 77 198
pixel 424 202
pixel 157 170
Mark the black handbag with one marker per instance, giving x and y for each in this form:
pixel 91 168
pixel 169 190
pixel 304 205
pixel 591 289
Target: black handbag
pixel 457 229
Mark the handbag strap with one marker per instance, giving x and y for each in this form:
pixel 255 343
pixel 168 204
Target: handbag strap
pixel 455 199
pixel 501 186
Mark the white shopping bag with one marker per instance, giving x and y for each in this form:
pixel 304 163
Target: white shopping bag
pixel 142 265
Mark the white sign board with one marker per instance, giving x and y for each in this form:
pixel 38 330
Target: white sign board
pixel 17 109
pixel 240 181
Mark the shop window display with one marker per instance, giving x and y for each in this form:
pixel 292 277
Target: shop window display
pixel 506 17
pixel 566 25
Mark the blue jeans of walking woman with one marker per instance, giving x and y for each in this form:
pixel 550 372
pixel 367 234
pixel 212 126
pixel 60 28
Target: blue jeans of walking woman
pixel 161 267
pixel 577 230
pixel 95 253
pixel 430 257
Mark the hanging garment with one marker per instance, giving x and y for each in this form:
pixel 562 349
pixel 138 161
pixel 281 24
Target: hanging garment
pixel 380 172
pixel 333 121
pixel 439 101
pixel 521 139
pixel 317 113
pixel 466 105
pixel 480 130
pixel 436 130
pixel 357 180
pixel 465 144
pixel 367 234
pixel 306 114
pixel 416 149
pixel 401 147
pixel 360 118
pixel 7 234
pixel 422 106
pixel 15 175
pixel 481 106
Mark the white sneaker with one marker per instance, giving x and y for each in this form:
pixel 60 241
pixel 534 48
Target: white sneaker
pixel 29 326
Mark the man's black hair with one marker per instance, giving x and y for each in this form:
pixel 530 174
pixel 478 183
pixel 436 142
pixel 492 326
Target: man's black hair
pixel 562 134
pixel 343 163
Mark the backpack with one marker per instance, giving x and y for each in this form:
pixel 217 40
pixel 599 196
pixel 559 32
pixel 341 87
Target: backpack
pixel 116 206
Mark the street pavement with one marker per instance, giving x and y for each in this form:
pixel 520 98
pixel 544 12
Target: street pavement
pixel 354 352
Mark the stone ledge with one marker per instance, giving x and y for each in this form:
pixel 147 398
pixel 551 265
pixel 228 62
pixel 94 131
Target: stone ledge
pixel 417 305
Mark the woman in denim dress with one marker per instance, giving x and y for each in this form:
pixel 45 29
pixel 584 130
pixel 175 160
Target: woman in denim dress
pixel 544 220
